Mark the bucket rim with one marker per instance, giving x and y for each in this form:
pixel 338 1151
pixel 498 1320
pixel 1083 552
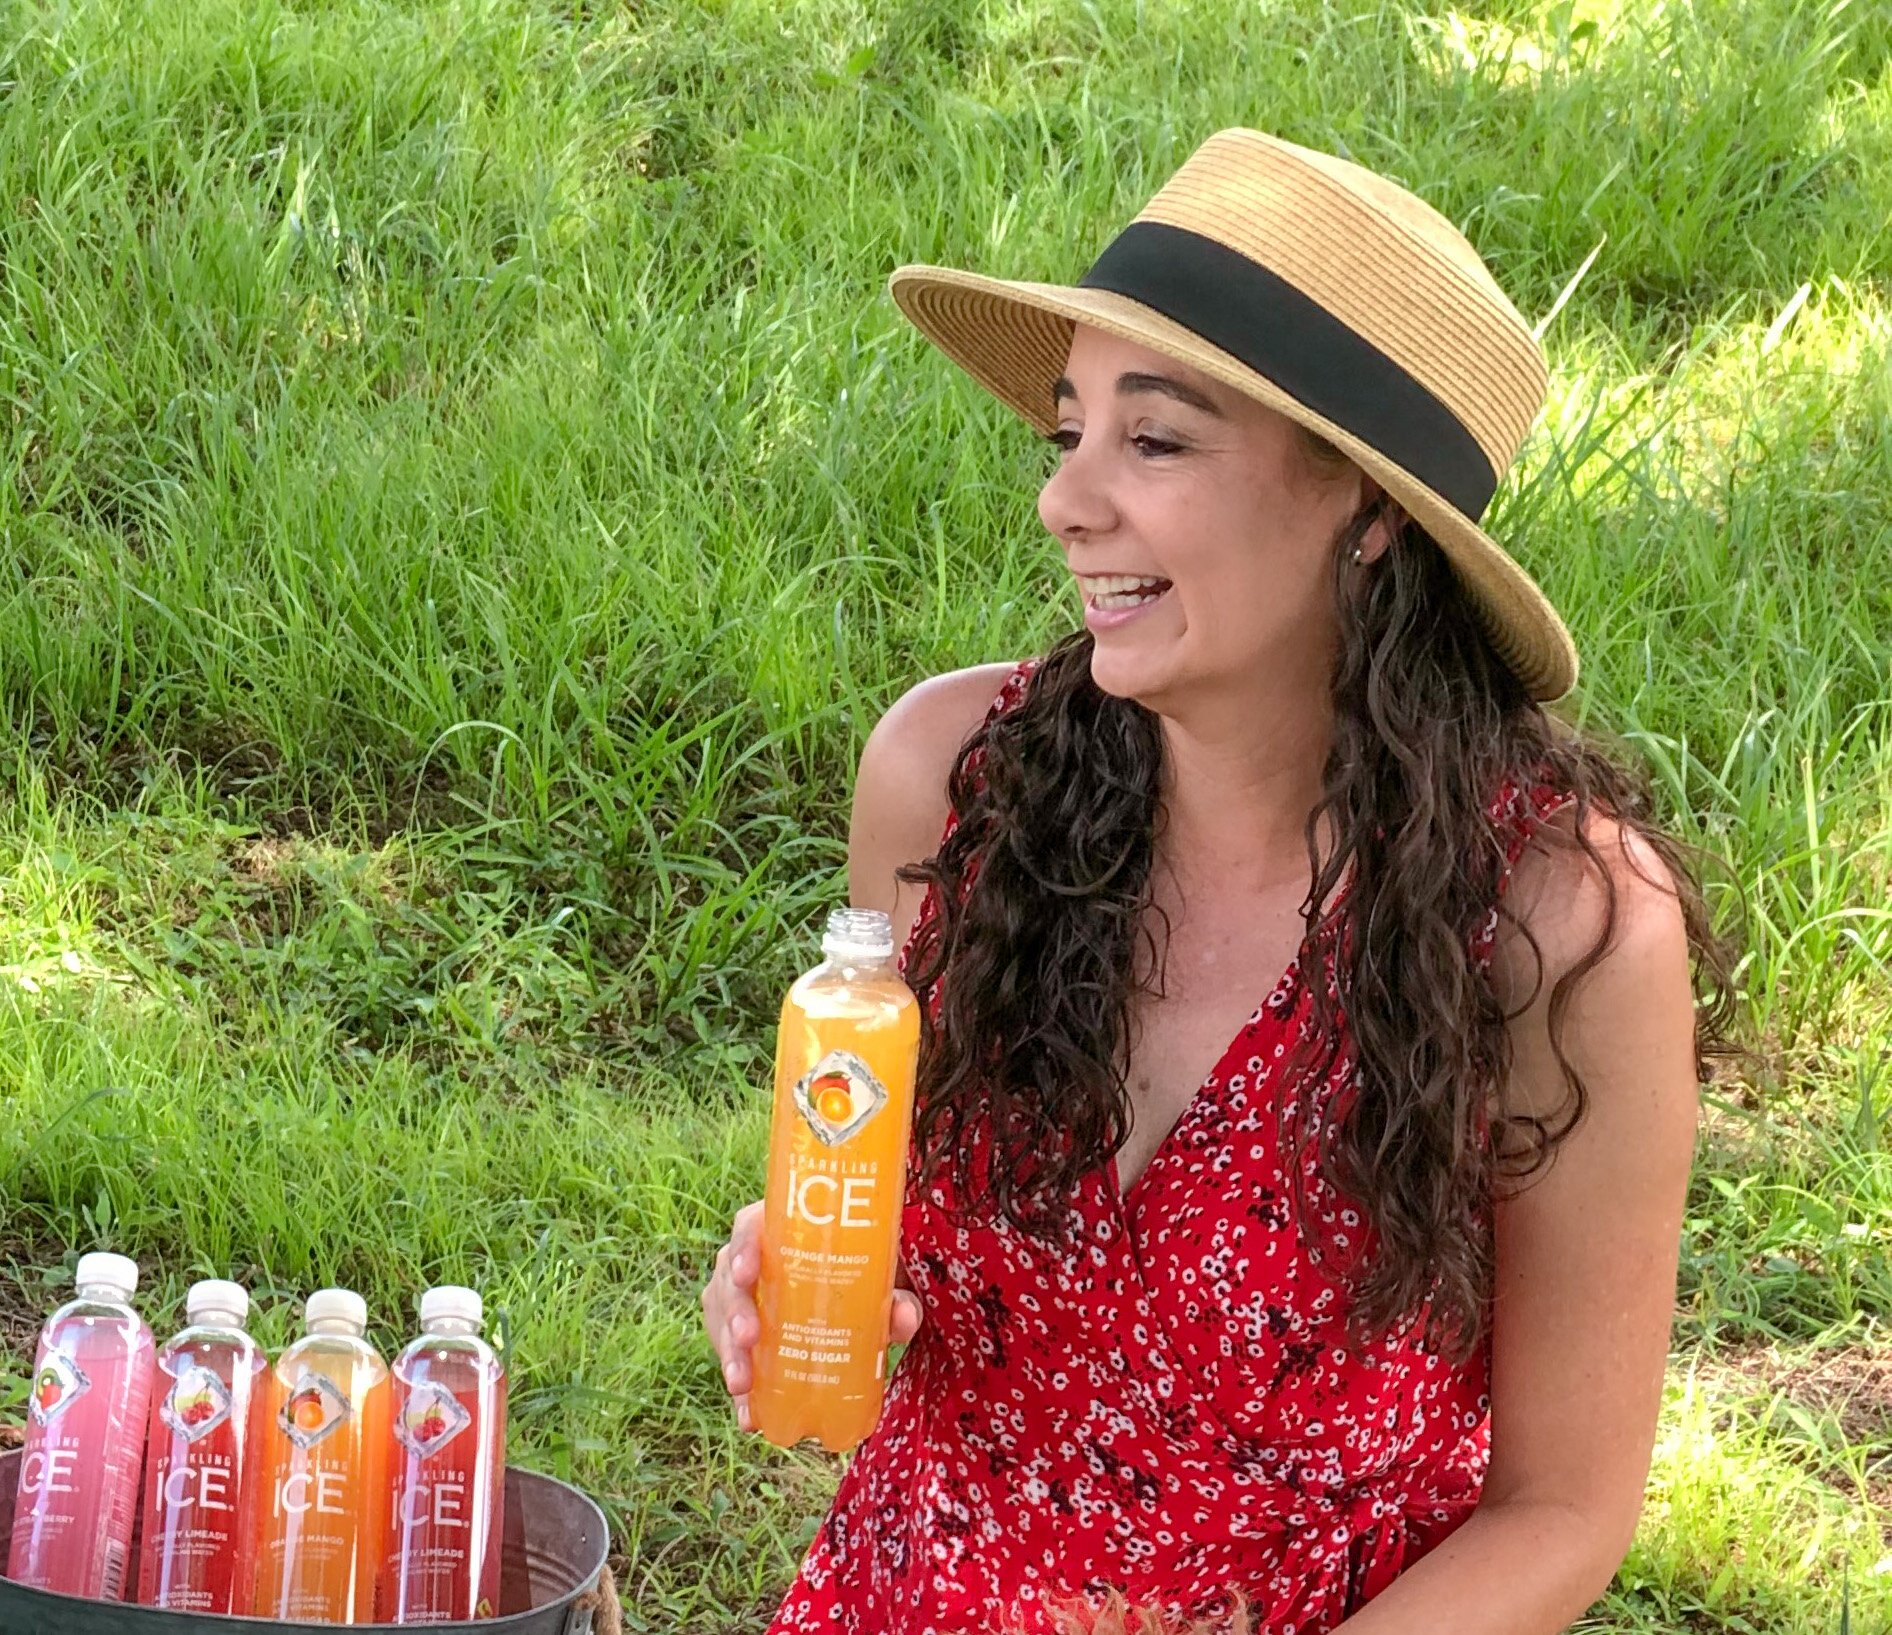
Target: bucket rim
pixel 49 1602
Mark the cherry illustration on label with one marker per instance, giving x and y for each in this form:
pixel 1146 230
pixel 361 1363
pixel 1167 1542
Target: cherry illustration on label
pixel 432 1417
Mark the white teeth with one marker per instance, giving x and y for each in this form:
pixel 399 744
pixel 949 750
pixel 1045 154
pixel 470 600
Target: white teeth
pixel 1115 584
pixel 1109 592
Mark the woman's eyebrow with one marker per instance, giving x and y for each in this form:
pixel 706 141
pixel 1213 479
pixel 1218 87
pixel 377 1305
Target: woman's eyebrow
pixel 1137 381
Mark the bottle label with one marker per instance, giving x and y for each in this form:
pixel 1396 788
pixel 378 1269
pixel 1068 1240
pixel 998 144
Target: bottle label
pixel 315 1409
pixel 58 1384
pixel 432 1417
pixel 838 1097
pixel 196 1405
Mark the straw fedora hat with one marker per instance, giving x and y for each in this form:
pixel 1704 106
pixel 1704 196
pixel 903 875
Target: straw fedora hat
pixel 1327 293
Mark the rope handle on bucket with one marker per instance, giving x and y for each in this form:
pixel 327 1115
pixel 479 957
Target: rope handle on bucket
pixel 596 1612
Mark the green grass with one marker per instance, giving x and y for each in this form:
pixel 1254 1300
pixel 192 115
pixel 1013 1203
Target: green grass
pixel 464 497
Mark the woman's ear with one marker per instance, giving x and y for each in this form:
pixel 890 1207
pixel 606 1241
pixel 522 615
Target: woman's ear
pixel 1388 520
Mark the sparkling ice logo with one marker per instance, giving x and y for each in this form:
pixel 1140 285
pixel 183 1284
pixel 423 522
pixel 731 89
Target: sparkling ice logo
pixel 58 1384
pixel 838 1096
pixel 197 1404
pixel 432 1418
pixel 314 1410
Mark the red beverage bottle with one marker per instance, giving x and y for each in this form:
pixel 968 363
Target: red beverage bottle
pixel 200 1468
pixel 449 1461
pixel 85 1432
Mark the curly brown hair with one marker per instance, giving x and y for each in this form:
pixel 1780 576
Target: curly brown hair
pixel 1043 908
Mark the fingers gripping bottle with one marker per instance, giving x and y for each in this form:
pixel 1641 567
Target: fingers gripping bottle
pixel 844 1066
pixel 449 1454
pixel 85 1432
pixel 323 1499
pixel 200 1466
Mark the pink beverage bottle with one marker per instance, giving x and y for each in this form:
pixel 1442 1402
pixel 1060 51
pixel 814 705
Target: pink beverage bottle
pixel 449 1457
pixel 85 1432
pixel 200 1469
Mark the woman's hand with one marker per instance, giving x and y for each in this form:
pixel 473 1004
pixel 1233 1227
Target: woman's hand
pixel 729 1307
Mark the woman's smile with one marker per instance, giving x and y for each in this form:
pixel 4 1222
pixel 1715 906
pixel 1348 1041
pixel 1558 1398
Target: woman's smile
pixel 1113 599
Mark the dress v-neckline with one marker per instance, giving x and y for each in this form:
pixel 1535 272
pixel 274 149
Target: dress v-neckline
pixel 1218 1073
pixel 1215 1076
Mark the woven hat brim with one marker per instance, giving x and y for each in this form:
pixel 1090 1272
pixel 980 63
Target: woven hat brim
pixel 1015 337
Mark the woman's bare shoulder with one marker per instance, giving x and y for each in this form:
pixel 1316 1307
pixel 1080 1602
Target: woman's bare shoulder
pixel 900 800
pixel 1562 903
pixel 1565 895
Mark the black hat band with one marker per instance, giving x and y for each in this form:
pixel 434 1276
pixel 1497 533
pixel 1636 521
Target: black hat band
pixel 1283 334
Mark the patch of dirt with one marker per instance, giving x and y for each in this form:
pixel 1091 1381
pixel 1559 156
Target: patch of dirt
pixel 22 1309
pixel 243 768
pixel 1851 1383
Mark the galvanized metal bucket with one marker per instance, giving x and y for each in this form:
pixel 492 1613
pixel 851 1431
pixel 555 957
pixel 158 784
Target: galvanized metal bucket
pixel 554 1551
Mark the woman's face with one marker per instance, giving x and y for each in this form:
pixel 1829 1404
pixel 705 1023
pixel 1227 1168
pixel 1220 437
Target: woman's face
pixel 1198 528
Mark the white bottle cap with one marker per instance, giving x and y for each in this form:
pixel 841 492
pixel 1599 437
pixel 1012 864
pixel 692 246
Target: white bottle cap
pixel 451 1303
pixel 118 1273
pixel 341 1306
pixel 858 933
pixel 213 1297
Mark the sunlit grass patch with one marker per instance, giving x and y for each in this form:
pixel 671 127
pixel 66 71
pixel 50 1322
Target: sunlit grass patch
pixel 465 498
pixel 1736 1533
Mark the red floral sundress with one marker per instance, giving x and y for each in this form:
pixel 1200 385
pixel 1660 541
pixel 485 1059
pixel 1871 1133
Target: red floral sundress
pixel 1172 1411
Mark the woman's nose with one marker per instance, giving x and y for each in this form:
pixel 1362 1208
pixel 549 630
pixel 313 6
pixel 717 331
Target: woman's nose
pixel 1074 502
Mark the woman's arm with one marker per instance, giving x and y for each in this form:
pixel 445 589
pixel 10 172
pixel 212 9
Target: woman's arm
pixel 900 807
pixel 900 802
pixel 1586 1261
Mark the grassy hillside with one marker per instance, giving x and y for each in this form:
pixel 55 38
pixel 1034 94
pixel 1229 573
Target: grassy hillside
pixel 464 497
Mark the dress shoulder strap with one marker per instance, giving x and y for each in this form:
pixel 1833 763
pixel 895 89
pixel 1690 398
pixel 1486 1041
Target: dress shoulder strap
pixel 1521 807
pixel 1011 694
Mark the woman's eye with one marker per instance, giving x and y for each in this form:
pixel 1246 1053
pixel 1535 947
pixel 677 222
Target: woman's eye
pixel 1064 440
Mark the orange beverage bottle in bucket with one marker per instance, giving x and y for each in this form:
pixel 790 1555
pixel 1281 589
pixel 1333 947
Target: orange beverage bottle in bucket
pixel 324 1491
pixel 844 1064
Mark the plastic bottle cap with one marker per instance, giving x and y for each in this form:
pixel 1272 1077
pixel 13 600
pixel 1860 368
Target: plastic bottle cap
pixel 213 1297
pixel 451 1303
pixel 858 933
pixel 119 1273
pixel 342 1306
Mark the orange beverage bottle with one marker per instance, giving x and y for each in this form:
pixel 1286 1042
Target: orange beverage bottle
pixel 324 1491
pixel 844 1064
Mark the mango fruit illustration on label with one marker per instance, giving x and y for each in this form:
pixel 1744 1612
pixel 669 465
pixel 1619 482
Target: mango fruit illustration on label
pixel 838 1096
pixel 432 1418
pixel 314 1410
pixel 196 1405
pixel 58 1384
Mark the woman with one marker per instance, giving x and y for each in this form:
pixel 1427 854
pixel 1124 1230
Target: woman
pixel 1360 1319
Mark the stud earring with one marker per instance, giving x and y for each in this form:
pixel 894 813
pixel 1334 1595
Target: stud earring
pixel 1358 558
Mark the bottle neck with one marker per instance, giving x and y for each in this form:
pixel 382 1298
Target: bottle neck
pixel 102 1294
pixel 336 1327
pixel 869 962
pixel 454 1328
pixel 216 1319
pixel 861 938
